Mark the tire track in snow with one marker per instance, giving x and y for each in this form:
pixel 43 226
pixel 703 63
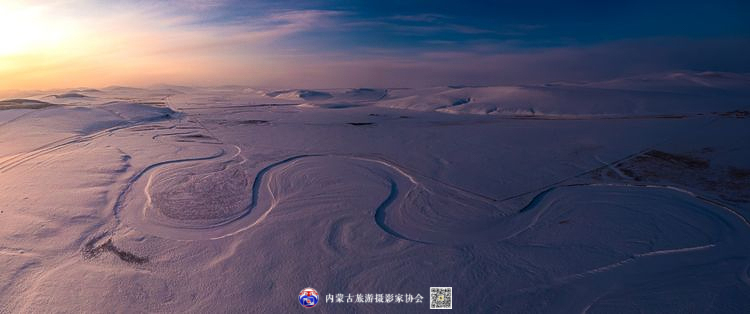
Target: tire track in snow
pixel 21 158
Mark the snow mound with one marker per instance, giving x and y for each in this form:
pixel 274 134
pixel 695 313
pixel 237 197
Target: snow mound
pixel 82 120
pixel 85 120
pixel 670 94
pixel 136 112
pixel 300 94
pixel 117 88
pixel 70 95
pixel 364 94
pixel 85 90
pixel 682 82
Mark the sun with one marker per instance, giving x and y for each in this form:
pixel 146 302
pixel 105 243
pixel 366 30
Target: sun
pixel 28 30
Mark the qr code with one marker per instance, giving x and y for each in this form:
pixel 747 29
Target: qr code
pixel 441 298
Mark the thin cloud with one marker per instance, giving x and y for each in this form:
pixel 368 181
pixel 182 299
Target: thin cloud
pixel 425 17
pixel 425 29
pixel 131 45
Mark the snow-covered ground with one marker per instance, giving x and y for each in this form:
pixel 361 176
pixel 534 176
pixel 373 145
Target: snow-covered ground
pixel 629 195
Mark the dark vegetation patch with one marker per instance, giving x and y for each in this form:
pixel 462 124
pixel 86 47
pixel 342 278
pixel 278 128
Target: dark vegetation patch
pixel 252 121
pixel 196 138
pixel 685 169
pixel 674 159
pixel 360 123
pixel 200 136
pixel 461 102
pixel 360 90
pixel 90 250
pixel 23 104
pixel 739 173
pixel 739 114
pixel 241 122
pixel 338 106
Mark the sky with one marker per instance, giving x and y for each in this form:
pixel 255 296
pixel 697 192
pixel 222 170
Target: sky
pixel 316 44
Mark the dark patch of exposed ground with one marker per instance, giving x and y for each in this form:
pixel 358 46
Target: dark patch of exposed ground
pixel 91 251
pixel 739 114
pixel 240 122
pixel 252 121
pixel 23 104
pixel 195 136
pixel 689 170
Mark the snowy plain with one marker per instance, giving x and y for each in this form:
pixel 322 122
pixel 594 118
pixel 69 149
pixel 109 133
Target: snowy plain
pixel 625 196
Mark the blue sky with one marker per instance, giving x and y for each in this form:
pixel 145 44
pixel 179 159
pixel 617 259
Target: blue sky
pixel 429 25
pixel 410 43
